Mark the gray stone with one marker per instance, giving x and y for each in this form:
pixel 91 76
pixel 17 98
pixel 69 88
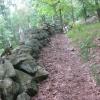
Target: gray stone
pixel 45 41
pixel 93 19
pixel 18 58
pixel 41 74
pixel 9 89
pixel 2 71
pixel 27 83
pixel 22 49
pixel 23 96
pixel 7 70
pixel 29 66
pixel 34 44
pixel 42 35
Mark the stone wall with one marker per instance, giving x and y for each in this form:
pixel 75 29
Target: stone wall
pixel 19 71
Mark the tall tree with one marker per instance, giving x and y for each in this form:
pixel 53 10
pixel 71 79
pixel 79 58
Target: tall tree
pixel 72 11
pixel 98 8
pixel 84 8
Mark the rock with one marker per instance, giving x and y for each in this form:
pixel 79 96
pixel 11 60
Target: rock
pixel 41 74
pixel 28 66
pixel 1 60
pixel 27 83
pixel 50 29
pixel 2 72
pixel 22 49
pixel 7 70
pixel 92 19
pixel 31 31
pixel 32 88
pixel 33 43
pixel 45 41
pixel 23 96
pixel 42 35
pixel 36 46
pixel 58 28
pixel 18 58
pixel 9 89
pixel 8 97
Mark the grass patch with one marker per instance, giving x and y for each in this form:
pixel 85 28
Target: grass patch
pixel 83 36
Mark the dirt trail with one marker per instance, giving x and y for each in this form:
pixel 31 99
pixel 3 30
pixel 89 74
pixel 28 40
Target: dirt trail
pixel 69 78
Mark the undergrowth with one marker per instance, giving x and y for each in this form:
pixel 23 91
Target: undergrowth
pixel 83 36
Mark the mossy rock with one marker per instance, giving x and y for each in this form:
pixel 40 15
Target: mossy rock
pixel 28 66
pixel 7 70
pixel 23 96
pixel 41 74
pixel 9 89
pixel 27 83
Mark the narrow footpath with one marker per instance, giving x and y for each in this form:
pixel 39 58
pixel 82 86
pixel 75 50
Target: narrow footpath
pixel 69 78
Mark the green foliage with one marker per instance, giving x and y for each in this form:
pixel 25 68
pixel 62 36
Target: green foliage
pixel 85 47
pixel 84 35
pixel 31 13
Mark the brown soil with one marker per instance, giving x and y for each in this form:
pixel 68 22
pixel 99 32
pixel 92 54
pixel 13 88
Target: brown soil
pixel 69 78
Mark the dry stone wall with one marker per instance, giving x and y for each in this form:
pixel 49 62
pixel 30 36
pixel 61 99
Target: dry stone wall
pixel 19 71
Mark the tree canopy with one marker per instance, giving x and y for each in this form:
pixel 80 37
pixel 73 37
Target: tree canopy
pixel 16 16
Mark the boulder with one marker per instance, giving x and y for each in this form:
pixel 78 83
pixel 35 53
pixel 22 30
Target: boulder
pixel 27 83
pixel 31 31
pixel 7 70
pixel 45 41
pixel 23 96
pixel 22 49
pixel 29 66
pixel 41 74
pixel 18 58
pixel 58 28
pixel 34 44
pixel 40 36
pixel 9 89
pixel 2 72
pixel 93 19
pixel 50 29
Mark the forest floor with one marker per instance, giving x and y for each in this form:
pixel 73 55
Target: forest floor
pixel 69 77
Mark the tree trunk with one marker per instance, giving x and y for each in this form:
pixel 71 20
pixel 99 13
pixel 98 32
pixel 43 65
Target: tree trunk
pixel 72 12
pixel 84 10
pixel 55 17
pixel 3 39
pixel 61 19
pixel 98 8
pixel 22 35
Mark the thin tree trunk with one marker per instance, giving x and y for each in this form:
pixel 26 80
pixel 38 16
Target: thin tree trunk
pixel 55 14
pixel 98 8
pixel 72 11
pixel 3 39
pixel 22 35
pixel 84 10
pixel 61 19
